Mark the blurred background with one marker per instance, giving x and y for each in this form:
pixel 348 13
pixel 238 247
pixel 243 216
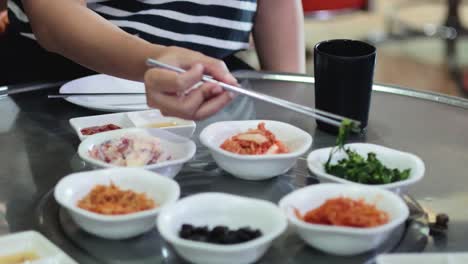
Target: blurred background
pixel 421 43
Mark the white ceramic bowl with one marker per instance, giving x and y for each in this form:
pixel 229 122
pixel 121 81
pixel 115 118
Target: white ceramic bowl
pixel 180 148
pixel 211 209
pixel 389 157
pixel 343 240
pixel 255 167
pixel 75 186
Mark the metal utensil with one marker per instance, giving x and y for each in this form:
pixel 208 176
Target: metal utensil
pixel 65 95
pixel 28 87
pixel 326 117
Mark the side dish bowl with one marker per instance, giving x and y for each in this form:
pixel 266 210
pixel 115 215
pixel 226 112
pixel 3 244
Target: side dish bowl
pixel 389 157
pixel 143 119
pixel 153 118
pixel 255 167
pixel 212 209
pixel 118 119
pixel 74 187
pixel 180 149
pixel 339 240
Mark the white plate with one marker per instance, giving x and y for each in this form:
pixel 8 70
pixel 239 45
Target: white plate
pixel 184 128
pixel 32 241
pixel 430 258
pixel 102 83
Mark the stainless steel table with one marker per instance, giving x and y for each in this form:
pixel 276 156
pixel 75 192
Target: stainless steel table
pixel 38 147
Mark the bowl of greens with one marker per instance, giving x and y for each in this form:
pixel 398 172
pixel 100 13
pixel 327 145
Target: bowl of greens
pixel 367 164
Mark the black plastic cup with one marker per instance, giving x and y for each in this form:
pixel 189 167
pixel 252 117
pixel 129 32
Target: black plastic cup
pixel 344 72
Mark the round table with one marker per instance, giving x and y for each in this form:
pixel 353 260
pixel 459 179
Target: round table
pixel 38 148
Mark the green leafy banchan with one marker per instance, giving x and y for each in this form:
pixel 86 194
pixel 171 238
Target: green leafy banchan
pixel 357 168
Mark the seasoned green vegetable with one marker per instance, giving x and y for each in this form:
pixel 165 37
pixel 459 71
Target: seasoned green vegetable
pixel 359 169
pixel 346 127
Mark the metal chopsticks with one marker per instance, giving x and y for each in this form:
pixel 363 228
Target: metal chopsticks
pixel 27 87
pixel 323 116
pixel 65 95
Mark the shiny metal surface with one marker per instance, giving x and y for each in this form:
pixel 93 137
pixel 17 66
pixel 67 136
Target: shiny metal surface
pixel 430 96
pixel 24 88
pixel 66 95
pixel 38 147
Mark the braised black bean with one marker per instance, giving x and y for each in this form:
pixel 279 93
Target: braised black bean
pixel 219 234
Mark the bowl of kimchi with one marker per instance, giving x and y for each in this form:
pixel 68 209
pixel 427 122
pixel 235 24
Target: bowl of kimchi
pixel 255 149
pixel 344 219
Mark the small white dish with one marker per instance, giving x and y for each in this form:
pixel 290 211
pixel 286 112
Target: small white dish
pixel 75 186
pixel 212 209
pixel 426 258
pixel 119 119
pixel 339 240
pixel 35 243
pixel 144 119
pixel 255 167
pixel 423 258
pixel 150 118
pixel 389 157
pixel 180 149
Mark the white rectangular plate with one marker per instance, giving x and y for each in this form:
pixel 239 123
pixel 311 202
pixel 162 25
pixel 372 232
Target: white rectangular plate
pixel 428 258
pixel 32 241
pixel 183 128
pixel 119 119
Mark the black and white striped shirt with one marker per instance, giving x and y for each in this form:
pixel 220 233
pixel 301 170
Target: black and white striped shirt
pixel 217 28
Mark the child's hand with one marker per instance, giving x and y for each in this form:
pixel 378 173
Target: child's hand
pixel 167 90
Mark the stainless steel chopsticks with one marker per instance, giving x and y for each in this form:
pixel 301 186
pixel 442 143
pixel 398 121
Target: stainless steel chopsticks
pixel 65 95
pixel 27 87
pixel 326 117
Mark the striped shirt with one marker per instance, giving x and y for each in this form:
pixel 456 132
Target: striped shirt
pixel 217 28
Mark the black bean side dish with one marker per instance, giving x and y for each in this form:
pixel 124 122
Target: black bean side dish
pixel 219 234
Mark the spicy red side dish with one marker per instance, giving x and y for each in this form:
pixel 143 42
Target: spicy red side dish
pixel 111 200
pixel 345 212
pixel 255 142
pixel 98 129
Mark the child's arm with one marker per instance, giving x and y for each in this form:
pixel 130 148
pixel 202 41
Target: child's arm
pixel 69 28
pixel 279 35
